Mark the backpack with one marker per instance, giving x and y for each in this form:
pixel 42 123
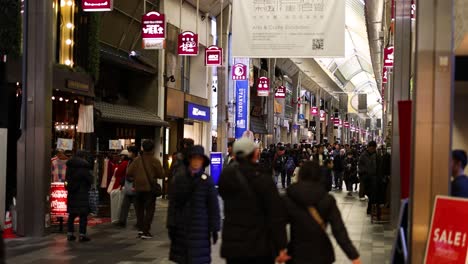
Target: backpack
pixel 290 165
pixel 279 163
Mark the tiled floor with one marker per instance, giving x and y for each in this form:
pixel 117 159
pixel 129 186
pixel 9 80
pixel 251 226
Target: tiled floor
pixel 112 245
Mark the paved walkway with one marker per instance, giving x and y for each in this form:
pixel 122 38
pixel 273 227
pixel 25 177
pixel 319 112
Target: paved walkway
pixel 113 245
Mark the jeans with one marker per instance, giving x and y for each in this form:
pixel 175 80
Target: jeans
pixel 127 201
pixel 339 179
pixel 286 179
pixel 251 260
pixel 277 174
pixel 145 206
pixel 83 223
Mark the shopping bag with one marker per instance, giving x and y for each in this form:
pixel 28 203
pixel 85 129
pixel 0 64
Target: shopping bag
pixel 116 198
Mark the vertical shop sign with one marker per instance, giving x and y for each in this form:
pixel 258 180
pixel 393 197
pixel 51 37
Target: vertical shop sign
pixel 346 124
pixel 153 30
pixel 58 199
pixel 323 116
pixel 213 56
pixel 388 57
pixel 314 111
pixel 413 10
pixel 188 44
pixel 239 72
pixel 384 75
pixel 448 237
pixel 242 98
pixel 216 165
pixel 96 5
pixel 280 92
pixel 263 88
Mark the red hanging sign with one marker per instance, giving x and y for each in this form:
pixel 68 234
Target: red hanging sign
pixel 413 10
pixel 96 5
pixel 323 116
pixel 384 75
pixel 336 121
pixel 448 237
pixel 153 30
pixel 346 124
pixel 58 199
pixel 239 72
pixel 213 56
pixel 280 92
pixel 188 44
pixel 314 111
pixel 388 57
pixel 263 88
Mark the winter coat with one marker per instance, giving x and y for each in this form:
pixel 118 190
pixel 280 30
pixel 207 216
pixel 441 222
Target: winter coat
pixel 193 215
pixel 338 163
pixel 79 180
pixel 309 242
pixel 351 170
pixel 136 172
pixel 370 170
pixel 460 186
pixel 120 174
pixel 255 220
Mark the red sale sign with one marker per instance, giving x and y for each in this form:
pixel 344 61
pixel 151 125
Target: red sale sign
pixel 314 111
pixel 239 72
pixel 388 56
pixel 58 199
pixel 188 44
pixel 263 88
pixel 447 241
pixel 213 56
pixel 280 92
pixel 96 5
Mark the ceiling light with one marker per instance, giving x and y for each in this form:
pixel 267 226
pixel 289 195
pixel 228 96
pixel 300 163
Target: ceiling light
pixel 76 101
pixel 53 97
pixel 66 100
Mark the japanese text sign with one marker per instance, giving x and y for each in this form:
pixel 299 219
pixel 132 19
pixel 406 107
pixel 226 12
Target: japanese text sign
pixel 188 44
pixel 96 5
pixel 153 30
pixel 447 241
pixel 239 72
pixel 263 88
pixel 242 99
pixel 58 199
pixel 314 111
pixel 388 57
pixel 213 56
pixel 323 116
pixel 280 92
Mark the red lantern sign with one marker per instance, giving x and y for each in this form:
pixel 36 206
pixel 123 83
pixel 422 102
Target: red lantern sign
pixel 314 111
pixel 239 72
pixel 58 199
pixel 188 44
pixel 388 57
pixel 280 92
pixel 96 5
pixel 153 30
pixel 213 56
pixel 263 88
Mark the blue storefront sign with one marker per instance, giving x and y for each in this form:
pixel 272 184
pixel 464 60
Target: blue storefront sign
pixel 198 112
pixel 242 98
pixel 216 165
pixel 300 116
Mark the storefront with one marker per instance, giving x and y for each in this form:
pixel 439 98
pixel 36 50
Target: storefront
pixel 197 118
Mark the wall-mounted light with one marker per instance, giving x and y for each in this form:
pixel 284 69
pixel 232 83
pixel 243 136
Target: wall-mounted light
pixel 68 41
pixel 70 3
pixel 53 97
pixel 76 101
pixel 66 100
pixel 68 62
pixel 69 25
pixel 60 99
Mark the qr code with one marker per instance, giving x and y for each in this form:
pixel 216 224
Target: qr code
pixel 317 44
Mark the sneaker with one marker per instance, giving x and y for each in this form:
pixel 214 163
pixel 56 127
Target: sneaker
pixel 71 238
pixel 140 234
pixel 147 236
pixel 84 239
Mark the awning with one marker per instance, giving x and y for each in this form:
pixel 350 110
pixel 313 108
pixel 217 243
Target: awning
pixel 124 60
pixel 126 114
pixel 257 125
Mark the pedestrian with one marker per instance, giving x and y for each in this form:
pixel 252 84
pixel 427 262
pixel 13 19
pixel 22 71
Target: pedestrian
pixel 290 166
pixel 230 156
pixel 279 162
pixel 145 171
pixel 128 189
pixel 327 174
pixel 115 187
pixel 370 174
pixel 78 184
pixel 460 180
pixel 193 214
pixel 295 177
pixel 350 174
pixel 254 229
pixel 310 210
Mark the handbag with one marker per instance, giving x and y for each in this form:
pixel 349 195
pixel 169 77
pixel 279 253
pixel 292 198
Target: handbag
pixel 128 187
pixel 156 189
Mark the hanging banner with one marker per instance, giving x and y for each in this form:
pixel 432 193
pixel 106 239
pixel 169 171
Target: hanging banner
pixel 280 92
pixel 242 98
pixel 384 75
pixel 362 103
pixel 388 57
pixel 187 44
pixel 239 72
pixel 314 111
pixel 346 124
pixel 288 29
pixel 413 10
pixel 216 165
pixel 96 5
pixel 153 30
pixel 58 199
pixel 323 116
pixel 448 237
pixel 213 56
pixel 263 88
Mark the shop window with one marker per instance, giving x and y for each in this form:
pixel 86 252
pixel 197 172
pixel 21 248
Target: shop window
pixel 185 74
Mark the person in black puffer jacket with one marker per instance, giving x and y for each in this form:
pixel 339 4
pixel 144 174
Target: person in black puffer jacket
pixel 79 180
pixel 193 213
pixel 254 228
pixel 309 241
